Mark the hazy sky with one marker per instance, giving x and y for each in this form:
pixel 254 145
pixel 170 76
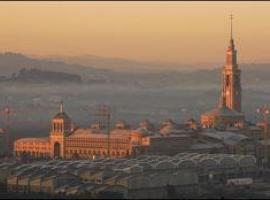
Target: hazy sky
pixel 180 32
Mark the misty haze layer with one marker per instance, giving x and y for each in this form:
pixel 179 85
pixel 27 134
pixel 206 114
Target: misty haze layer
pixel 154 95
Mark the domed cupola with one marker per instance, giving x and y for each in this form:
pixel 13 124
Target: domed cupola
pixel 146 124
pixel 121 125
pixel 61 123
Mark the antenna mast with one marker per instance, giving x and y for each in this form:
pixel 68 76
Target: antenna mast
pixel 104 111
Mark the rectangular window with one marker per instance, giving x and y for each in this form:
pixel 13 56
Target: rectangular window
pixel 227 80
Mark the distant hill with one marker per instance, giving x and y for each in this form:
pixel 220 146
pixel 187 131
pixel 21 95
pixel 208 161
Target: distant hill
pixel 124 65
pixel 201 73
pixel 43 76
pixel 12 63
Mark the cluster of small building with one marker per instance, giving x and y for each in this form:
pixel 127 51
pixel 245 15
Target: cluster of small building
pixel 148 176
pixel 72 143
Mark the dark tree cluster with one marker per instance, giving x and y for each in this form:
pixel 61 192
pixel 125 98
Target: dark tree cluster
pixel 41 76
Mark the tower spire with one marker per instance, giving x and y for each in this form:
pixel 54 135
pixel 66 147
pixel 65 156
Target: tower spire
pixel 61 106
pixel 231 87
pixel 231 17
pixel 231 46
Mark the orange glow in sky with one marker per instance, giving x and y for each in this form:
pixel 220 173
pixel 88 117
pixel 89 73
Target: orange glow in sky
pixel 180 32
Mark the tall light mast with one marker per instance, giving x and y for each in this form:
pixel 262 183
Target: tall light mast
pixel 265 111
pixel 7 113
pixel 104 111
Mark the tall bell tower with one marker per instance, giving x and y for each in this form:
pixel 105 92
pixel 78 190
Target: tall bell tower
pixel 231 78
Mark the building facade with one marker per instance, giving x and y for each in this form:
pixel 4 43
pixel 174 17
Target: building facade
pixel 66 141
pixel 69 142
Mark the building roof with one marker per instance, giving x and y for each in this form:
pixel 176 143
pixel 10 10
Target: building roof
pixel 265 142
pixel 191 120
pixel 206 146
pixel 121 168
pixel 254 128
pixel 2 130
pixel 93 133
pixel 61 115
pixel 145 132
pixel 122 125
pixel 225 136
pixel 145 122
pixel 223 111
pixel 171 136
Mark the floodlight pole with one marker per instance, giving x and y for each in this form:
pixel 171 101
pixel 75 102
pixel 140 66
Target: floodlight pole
pixel 265 111
pixel 7 112
pixel 104 111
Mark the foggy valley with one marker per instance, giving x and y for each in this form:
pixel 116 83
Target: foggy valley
pixel 155 95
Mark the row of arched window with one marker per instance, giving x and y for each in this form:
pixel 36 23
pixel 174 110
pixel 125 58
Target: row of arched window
pixel 33 154
pixel 96 152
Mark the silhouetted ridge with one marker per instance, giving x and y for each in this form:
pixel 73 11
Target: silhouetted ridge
pixel 40 76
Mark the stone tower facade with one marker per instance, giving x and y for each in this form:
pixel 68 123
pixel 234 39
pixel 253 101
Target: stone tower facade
pixel 61 127
pixel 231 79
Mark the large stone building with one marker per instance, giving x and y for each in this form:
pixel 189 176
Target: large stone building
pixel 70 142
pixel 67 141
pixel 228 112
